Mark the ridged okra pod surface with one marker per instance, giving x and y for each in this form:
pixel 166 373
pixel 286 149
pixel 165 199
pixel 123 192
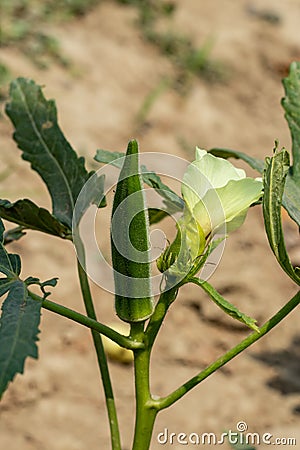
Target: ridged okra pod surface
pixel 130 242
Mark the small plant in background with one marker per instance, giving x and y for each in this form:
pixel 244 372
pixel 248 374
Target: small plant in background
pixel 241 446
pixel 214 200
pixel 23 25
pixel 189 60
pixel 5 76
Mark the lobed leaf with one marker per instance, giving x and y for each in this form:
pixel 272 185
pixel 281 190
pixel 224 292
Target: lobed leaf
pixel 18 332
pixel 274 180
pixel 42 284
pixel 19 320
pixel 39 136
pixel 30 216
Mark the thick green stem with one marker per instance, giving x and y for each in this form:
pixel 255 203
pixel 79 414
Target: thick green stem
pixel 186 387
pixel 159 314
pixel 101 357
pixel 63 311
pixel 145 406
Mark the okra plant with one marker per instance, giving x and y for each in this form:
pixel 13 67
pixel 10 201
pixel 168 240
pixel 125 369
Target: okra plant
pixel 213 201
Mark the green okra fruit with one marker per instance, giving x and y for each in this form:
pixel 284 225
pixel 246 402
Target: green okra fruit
pixel 130 243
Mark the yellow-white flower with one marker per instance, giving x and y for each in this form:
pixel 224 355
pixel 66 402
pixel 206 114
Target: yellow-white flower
pixel 217 197
pixel 217 194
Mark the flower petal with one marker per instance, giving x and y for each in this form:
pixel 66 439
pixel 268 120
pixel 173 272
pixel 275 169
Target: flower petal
pixel 228 204
pixel 207 172
pixel 224 163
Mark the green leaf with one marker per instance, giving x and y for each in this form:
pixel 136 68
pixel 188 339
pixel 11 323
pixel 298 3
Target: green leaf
pixel 15 262
pixel 107 157
pixel 4 286
pixel 10 264
pixel 227 307
pixel 7 263
pixel 18 332
pixel 51 282
pixel 291 198
pixel 172 201
pixel 291 105
pixel 274 180
pixel 20 318
pixel 30 216
pixel 291 195
pixel 45 147
pixel 42 284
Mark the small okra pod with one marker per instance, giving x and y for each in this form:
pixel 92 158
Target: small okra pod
pixel 130 243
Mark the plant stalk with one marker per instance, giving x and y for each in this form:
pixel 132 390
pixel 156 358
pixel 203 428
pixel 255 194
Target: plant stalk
pixel 157 318
pixel 228 356
pixel 63 311
pixel 146 410
pixel 101 357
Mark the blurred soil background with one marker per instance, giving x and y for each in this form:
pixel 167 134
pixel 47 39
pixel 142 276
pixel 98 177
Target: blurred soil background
pixel 173 75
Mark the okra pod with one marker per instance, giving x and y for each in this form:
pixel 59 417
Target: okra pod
pixel 130 243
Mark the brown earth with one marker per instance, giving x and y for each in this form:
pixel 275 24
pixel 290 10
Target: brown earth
pixel 57 404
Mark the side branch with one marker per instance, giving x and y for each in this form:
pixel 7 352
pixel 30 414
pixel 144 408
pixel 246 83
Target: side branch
pixel 190 384
pixel 123 341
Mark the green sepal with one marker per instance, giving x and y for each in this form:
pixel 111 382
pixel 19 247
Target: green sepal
pixel 275 174
pixel 169 256
pixel 227 307
pixel 131 235
pixel 201 260
pixel 179 258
